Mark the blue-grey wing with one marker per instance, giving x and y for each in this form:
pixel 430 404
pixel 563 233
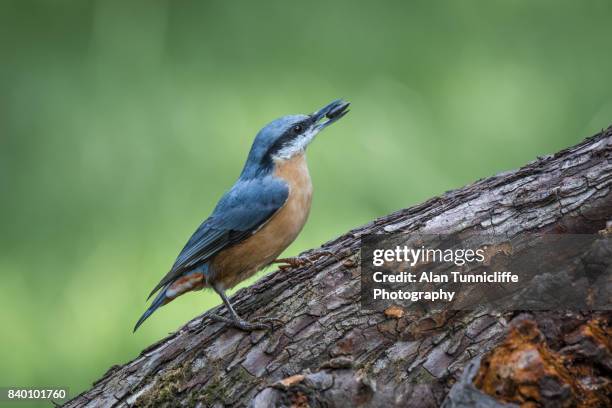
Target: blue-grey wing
pixel 239 213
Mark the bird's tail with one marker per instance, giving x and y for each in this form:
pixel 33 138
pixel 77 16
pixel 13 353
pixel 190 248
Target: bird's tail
pixel 159 300
pixel 190 281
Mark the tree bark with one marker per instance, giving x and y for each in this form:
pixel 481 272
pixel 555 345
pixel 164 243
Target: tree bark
pixel 330 352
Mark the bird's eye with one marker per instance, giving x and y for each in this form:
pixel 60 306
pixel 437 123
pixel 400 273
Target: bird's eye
pixel 298 128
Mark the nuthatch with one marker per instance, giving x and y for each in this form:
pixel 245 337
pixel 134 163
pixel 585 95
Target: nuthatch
pixel 255 220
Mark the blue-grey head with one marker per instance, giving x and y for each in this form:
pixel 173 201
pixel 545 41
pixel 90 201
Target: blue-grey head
pixel 289 136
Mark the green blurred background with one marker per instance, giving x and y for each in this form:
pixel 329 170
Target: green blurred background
pixel 122 123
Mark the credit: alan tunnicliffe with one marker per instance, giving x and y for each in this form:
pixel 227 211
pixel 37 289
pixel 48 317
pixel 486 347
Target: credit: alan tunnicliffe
pixel 457 277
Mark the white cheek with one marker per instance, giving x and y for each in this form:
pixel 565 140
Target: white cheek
pixel 298 146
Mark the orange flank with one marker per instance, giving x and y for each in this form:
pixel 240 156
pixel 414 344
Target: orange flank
pixel 193 281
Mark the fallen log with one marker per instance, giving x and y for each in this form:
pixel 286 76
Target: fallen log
pixel 328 351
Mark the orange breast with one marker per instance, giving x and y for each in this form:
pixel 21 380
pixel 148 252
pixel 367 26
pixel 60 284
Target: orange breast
pixel 241 261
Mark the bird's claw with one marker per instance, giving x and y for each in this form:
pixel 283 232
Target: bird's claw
pixel 261 323
pixel 291 263
pixel 269 320
pixel 299 261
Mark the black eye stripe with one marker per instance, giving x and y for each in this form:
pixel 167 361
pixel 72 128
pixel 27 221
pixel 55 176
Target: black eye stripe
pixel 299 127
pixel 291 133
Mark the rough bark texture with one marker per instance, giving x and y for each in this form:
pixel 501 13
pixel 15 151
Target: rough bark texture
pixel 330 352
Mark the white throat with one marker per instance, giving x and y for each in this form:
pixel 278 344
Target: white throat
pixel 297 145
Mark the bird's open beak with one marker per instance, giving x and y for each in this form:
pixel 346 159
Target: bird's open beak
pixel 332 112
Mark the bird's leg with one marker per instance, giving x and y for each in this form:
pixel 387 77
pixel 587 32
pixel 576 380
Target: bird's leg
pixel 298 261
pixel 238 322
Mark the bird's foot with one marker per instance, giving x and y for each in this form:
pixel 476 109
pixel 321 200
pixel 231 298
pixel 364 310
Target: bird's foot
pixel 299 261
pixel 291 263
pixel 261 323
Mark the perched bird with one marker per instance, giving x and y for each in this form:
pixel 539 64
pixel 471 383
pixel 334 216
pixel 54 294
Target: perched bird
pixel 255 220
